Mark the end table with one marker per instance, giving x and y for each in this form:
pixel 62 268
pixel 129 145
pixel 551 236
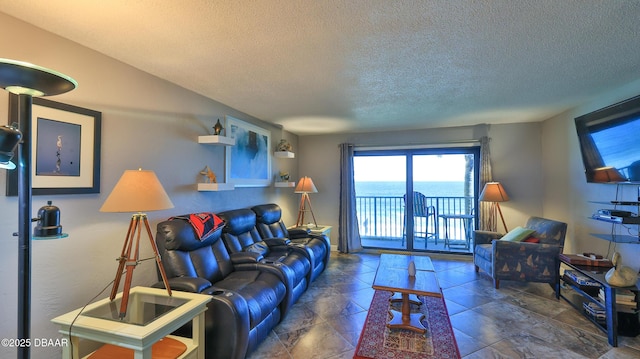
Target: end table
pixel 152 315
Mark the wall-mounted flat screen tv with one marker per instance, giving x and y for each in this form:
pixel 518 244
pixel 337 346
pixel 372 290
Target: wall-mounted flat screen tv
pixel 610 142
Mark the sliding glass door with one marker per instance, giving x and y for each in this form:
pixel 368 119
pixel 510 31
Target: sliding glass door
pixel 417 199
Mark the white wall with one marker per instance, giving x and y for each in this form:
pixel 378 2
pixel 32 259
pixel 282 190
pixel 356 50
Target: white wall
pixel 147 122
pixel 515 152
pixel 567 194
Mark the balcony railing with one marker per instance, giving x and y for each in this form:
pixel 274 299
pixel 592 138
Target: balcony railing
pixel 383 217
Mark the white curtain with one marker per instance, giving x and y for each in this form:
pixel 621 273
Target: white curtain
pixel 486 221
pixel 348 234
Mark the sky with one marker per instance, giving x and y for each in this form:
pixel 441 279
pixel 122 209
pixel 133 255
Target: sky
pixel 425 168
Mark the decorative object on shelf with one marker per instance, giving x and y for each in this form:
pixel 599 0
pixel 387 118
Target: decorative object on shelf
pixel 305 186
pixel 65 148
pixel 136 191
pixel 25 81
pixel 284 146
pixel 619 275
pixel 209 176
pixel 284 176
pixel 248 163
pixel 217 129
pixel 494 192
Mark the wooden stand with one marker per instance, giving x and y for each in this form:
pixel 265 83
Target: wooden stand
pixel 130 260
pixel 303 201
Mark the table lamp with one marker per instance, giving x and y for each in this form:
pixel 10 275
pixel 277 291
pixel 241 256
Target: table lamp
pixel 137 191
pixel 494 192
pixel 305 186
pixel 26 81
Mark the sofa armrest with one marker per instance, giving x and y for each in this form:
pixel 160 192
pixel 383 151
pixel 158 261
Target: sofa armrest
pixel 296 233
pixel 277 241
pixel 186 284
pixel 531 257
pixel 485 237
pixel 245 257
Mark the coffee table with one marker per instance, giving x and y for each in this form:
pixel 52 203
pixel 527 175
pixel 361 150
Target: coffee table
pixel 391 277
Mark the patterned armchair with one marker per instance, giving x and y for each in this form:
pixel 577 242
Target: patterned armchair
pixel 522 261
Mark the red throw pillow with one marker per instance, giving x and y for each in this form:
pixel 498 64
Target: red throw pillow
pixel 532 240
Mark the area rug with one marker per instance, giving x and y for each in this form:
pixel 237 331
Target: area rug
pixel 377 341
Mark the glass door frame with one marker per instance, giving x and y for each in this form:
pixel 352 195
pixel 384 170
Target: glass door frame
pixel 408 154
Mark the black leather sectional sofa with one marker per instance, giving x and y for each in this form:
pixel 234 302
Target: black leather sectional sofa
pixel 252 266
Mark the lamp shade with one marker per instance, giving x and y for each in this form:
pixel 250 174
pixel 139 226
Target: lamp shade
pixel 493 192
pixel 9 139
pixel 305 185
pixel 607 174
pixel 23 78
pixel 137 191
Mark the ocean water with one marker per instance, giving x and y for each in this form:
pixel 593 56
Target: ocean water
pixel 395 189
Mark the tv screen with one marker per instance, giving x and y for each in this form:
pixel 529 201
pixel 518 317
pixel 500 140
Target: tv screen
pixel 610 143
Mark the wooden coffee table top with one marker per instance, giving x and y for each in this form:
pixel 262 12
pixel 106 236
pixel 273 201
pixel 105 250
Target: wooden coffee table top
pixel 398 280
pixel 401 261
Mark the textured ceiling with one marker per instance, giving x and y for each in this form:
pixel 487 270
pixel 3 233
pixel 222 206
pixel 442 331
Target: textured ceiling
pixel 365 65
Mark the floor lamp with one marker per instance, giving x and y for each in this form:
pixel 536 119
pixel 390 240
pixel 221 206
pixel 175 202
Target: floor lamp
pixel 137 191
pixel 27 81
pixel 495 193
pixel 305 186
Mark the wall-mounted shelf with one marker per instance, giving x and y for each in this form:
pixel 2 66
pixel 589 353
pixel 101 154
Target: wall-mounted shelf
pixel 285 184
pixel 617 238
pixel 217 140
pixel 284 154
pixel 211 187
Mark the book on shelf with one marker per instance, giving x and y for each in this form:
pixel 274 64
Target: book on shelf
pixel 595 312
pixel 625 300
pixel 581 279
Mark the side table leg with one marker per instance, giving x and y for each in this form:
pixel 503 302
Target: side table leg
pixel 198 334
pixel 72 349
pixel 612 315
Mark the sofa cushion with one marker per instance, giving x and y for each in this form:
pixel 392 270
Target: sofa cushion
pixel 517 234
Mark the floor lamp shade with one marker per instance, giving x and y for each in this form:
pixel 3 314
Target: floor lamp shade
pixel 495 193
pixel 9 138
pixel 137 191
pixel 305 185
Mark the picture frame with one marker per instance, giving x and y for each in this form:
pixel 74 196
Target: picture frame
pixel 65 149
pixel 248 162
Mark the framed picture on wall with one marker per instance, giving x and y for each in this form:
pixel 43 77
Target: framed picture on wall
pixel 65 149
pixel 248 163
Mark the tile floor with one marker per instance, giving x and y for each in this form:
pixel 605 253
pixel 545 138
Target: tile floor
pixel 517 321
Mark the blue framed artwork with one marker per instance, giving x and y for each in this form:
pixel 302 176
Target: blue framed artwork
pixel 65 148
pixel 248 163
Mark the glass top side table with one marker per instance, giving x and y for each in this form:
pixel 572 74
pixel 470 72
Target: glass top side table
pixel 151 316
